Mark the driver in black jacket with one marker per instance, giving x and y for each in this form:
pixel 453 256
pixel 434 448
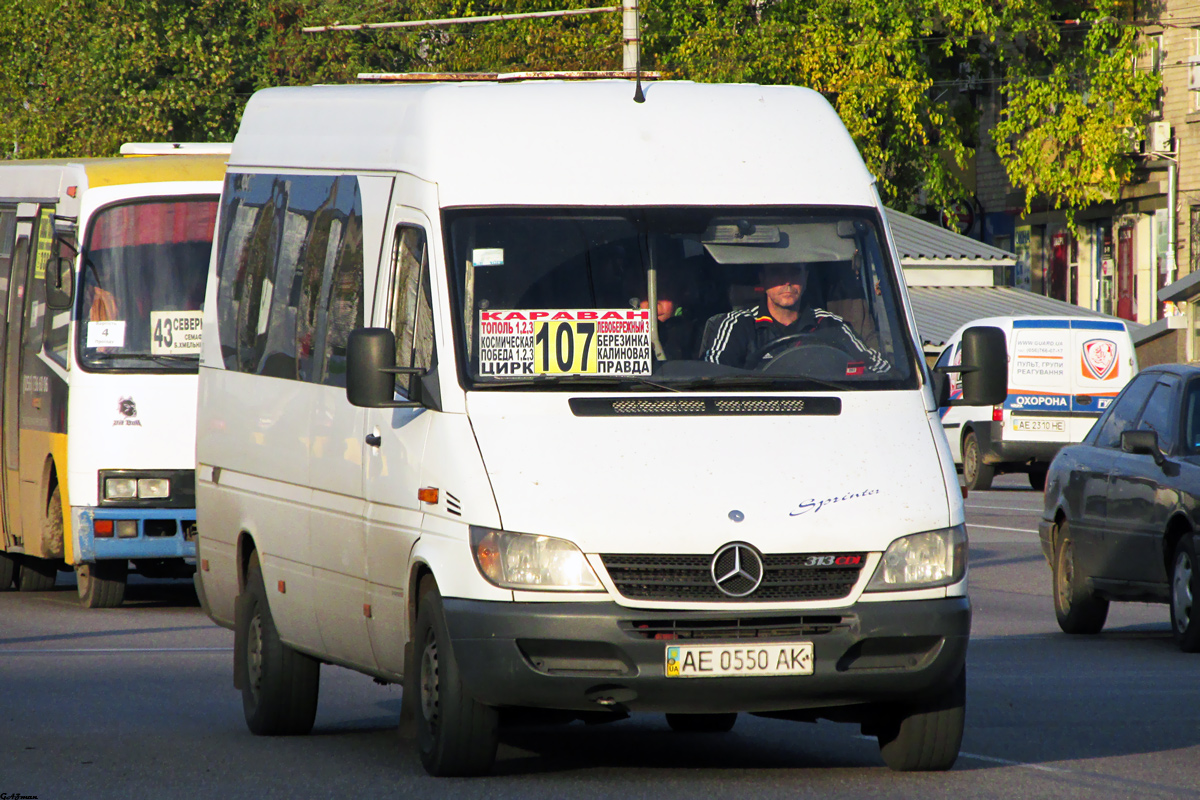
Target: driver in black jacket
pixel 743 332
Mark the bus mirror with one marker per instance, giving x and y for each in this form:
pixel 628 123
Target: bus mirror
pixel 371 370
pixel 984 367
pixel 60 283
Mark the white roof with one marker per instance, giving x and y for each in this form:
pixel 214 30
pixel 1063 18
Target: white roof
pixel 569 143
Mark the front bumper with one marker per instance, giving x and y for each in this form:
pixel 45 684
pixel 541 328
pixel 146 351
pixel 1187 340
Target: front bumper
pixel 588 656
pixel 161 533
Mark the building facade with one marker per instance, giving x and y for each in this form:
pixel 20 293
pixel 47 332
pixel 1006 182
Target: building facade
pixel 1122 254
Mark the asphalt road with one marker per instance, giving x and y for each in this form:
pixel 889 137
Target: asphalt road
pixel 139 702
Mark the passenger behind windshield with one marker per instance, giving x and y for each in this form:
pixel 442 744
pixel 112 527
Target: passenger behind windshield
pixel 786 318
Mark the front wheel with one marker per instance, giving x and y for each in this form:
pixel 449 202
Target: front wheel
pixel 976 474
pixel 279 684
pixel 456 735
pixel 102 584
pixel 1077 608
pixel 926 737
pixel 1185 586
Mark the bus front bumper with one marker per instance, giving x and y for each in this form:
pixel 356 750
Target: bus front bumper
pixel 160 533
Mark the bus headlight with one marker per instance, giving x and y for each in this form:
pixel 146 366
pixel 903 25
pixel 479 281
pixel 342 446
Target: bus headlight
pixel 526 561
pixel 120 488
pixel 922 560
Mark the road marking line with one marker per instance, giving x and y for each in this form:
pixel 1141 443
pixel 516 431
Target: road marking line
pixel 994 759
pixel 998 528
pixel 1006 762
pixel 4 651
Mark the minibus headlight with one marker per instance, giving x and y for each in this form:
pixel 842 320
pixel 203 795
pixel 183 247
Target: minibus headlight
pixel 120 488
pixel 922 560
pixel 525 561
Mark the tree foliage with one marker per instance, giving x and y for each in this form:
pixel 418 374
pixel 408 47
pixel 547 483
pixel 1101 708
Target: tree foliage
pixel 81 76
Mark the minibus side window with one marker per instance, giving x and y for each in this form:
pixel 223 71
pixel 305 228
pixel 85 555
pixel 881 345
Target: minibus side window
pixel 35 304
pixel 411 308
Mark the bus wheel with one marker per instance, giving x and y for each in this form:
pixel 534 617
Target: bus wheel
pixel 102 584
pixel 456 735
pixel 926 737
pixel 36 574
pixel 279 684
pixel 8 571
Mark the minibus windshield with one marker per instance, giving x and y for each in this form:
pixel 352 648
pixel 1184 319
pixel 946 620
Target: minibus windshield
pixel 144 267
pixel 678 298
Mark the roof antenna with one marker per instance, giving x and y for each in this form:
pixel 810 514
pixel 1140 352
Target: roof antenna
pixel 631 19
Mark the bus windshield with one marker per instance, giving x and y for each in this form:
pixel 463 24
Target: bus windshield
pixel 144 268
pixel 678 298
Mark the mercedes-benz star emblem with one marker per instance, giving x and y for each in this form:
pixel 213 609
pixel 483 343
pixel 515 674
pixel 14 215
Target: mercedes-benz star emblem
pixel 737 569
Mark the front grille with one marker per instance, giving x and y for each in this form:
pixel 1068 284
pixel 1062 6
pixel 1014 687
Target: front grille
pixel 740 628
pixel 688 578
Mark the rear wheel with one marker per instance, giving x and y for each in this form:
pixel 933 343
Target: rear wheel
pixel 1185 587
pixel 102 584
pixel 456 735
pixel 926 737
pixel 1075 605
pixel 8 571
pixel 702 723
pixel 36 574
pixel 1037 478
pixel 976 474
pixel 279 684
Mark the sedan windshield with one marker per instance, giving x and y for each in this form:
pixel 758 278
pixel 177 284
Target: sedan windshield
pixel 144 269
pixel 678 298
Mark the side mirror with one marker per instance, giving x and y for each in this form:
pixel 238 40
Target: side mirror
pixel 1144 443
pixel 370 370
pixel 984 366
pixel 60 282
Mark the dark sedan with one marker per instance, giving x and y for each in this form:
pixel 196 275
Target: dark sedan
pixel 1122 507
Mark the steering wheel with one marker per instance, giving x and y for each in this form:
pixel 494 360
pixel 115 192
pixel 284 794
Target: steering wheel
pixel 754 359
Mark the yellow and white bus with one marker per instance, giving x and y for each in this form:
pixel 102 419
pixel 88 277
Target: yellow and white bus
pixel 103 264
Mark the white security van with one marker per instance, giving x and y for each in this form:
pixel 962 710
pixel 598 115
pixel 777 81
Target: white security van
pixel 1062 373
pixel 531 396
pixel 103 267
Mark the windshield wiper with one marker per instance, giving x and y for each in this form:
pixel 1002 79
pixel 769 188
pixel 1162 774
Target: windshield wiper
pixel 165 360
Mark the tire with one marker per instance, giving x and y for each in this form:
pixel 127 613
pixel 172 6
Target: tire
pixel 1037 478
pixel 102 584
pixel 36 574
pixel 456 735
pixel 976 474
pixel 926 737
pixel 702 723
pixel 1078 610
pixel 1185 588
pixel 279 684
pixel 8 571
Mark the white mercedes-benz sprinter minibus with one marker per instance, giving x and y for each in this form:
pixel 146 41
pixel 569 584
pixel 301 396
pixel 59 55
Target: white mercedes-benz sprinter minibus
pixel 533 397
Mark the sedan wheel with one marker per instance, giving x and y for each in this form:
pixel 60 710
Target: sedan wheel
pixel 1078 610
pixel 1184 588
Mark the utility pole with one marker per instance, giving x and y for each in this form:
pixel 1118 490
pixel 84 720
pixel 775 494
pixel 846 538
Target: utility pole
pixel 631 40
